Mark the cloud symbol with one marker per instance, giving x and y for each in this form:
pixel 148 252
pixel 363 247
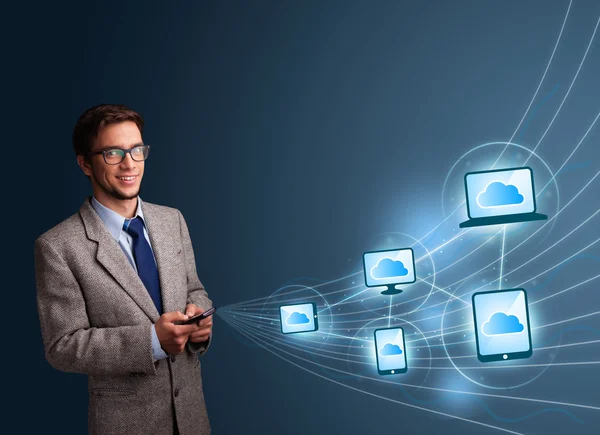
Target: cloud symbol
pixel 388 268
pixel 498 194
pixel 390 350
pixel 297 319
pixel 501 323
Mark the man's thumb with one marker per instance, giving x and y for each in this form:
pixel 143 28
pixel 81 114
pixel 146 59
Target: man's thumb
pixel 178 315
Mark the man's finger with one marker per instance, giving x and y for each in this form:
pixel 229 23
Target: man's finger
pixel 205 322
pixel 174 316
pixel 203 330
pixel 199 338
pixel 186 329
pixel 192 310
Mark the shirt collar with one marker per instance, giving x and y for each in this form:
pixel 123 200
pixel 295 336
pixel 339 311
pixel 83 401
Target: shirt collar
pixel 113 220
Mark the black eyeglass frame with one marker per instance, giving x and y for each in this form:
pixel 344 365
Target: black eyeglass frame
pixel 125 152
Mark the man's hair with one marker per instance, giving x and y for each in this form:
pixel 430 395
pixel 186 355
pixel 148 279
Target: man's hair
pixel 95 119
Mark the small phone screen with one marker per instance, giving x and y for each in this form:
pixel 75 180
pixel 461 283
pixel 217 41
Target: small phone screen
pixel 390 350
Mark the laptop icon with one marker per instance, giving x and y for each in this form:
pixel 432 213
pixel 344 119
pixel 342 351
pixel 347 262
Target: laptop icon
pixel 502 196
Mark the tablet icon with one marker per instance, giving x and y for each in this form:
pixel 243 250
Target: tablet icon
pixel 502 327
pixel 298 318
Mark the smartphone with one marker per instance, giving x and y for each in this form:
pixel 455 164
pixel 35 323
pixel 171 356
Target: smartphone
pixel 197 318
pixel 390 350
pixel 502 327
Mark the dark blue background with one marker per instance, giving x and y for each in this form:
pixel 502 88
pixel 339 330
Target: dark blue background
pixel 287 133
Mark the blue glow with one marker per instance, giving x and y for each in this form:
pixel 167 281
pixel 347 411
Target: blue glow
pixel 390 347
pixel 502 322
pixel 297 318
pixel 389 267
pixel 500 193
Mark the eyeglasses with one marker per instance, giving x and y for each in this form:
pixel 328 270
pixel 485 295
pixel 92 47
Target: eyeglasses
pixel 114 156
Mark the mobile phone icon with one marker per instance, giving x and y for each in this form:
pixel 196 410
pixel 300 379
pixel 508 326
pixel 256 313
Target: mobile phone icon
pixel 390 350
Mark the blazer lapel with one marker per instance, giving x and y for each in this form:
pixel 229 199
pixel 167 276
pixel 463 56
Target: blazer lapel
pixel 166 252
pixel 111 256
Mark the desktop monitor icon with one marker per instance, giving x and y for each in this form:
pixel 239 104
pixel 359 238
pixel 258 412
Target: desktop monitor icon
pixel 501 196
pixel 389 268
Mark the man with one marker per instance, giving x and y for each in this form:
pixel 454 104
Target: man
pixel 113 280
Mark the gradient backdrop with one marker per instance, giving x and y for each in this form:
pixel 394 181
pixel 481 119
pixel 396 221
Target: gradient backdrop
pixel 291 135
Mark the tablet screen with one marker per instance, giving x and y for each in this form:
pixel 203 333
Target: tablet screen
pixel 502 323
pixel 298 318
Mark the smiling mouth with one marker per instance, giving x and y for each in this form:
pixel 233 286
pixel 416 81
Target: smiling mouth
pixel 128 178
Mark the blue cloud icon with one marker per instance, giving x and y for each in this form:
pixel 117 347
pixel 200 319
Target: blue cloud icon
pixel 501 323
pixel 390 350
pixel 297 319
pixel 498 194
pixel 388 268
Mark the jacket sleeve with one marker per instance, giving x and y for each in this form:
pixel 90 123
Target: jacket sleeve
pixel 196 293
pixel 70 343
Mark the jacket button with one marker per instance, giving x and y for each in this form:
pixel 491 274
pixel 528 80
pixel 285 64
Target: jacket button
pixel 172 358
pixel 176 392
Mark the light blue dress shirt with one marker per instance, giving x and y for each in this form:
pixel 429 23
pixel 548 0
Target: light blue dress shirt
pixel 114 224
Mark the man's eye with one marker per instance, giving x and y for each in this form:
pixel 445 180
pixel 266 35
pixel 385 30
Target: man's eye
pixel 112 153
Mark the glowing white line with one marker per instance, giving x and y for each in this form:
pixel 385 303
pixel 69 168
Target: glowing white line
pixel 274 333
pixel 295 291
pixel 577 363
pixel 540 84
pixel 444 291
pixel 376 395
pixel 570 155
pixel 567 320
pixel 423 387
pixel 537 349
pixel 500 367
pixel 529 261
pixel 569 90
pixel 259 306
pixel 502 257
pixel 469 329
pixel 343 300
pixel 565 290
pixel 537 327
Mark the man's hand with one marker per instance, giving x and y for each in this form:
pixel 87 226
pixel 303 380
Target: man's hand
pixel 205 326
pixel 173 337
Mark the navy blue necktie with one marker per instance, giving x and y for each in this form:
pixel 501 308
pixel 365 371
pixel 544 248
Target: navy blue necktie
pixel 144 260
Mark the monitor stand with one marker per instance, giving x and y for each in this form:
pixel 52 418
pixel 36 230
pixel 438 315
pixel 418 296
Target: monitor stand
pixel 391 290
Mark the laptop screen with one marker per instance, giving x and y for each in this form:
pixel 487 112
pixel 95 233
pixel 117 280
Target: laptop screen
pixel 498 193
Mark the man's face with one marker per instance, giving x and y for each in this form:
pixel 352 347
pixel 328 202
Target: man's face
pixel 107 180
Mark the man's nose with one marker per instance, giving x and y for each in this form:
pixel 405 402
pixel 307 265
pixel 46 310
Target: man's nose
pixel 128 161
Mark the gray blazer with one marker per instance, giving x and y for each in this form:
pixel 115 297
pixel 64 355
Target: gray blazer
pixel 96 318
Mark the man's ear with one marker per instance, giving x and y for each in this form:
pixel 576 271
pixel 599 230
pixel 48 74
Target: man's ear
pixel 85 165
